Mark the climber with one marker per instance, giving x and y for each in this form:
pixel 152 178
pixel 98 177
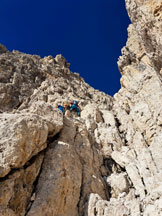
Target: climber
pixel 67 106
pixel 74 106
pixel 61 108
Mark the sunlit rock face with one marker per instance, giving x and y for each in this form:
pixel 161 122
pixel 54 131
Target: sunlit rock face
pixel 146 16
pixel 108 161
pixel 49 162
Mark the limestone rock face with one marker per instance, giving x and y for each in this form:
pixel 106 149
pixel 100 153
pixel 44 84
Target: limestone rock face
pixel 71 162
pixel 49 163
pixel 3 49
pixel 146 16
pixel 16 190
pixel 23 136
pixel 107 162
pixel 19 76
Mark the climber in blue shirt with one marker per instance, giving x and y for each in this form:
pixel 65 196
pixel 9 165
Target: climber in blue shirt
pixel 61 108
pixel 75 107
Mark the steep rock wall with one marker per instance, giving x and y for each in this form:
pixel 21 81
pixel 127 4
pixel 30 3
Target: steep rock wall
pixel 106 162
pixel 138 111
pixel 69 166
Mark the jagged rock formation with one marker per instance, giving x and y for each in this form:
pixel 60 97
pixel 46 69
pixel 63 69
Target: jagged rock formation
pixel 106 162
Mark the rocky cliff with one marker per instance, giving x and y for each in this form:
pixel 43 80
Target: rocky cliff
pixel 108 161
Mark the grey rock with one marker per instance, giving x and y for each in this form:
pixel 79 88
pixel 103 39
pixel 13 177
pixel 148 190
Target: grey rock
pixel 106 162
pixel 3 49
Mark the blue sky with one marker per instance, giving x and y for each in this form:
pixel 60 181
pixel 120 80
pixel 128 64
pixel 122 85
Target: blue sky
pixel 88 33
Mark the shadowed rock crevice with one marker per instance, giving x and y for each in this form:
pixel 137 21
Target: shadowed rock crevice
pixel 81 193
pixel 19 185
pixel 50 141
pixel 23 182
pixel 27 165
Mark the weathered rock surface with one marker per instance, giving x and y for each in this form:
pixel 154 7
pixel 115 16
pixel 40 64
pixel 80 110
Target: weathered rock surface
pixel 71 162
pixel 146 16
pixel 16 189
pixel 70 156
pixel 105 163
pixel 138 109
